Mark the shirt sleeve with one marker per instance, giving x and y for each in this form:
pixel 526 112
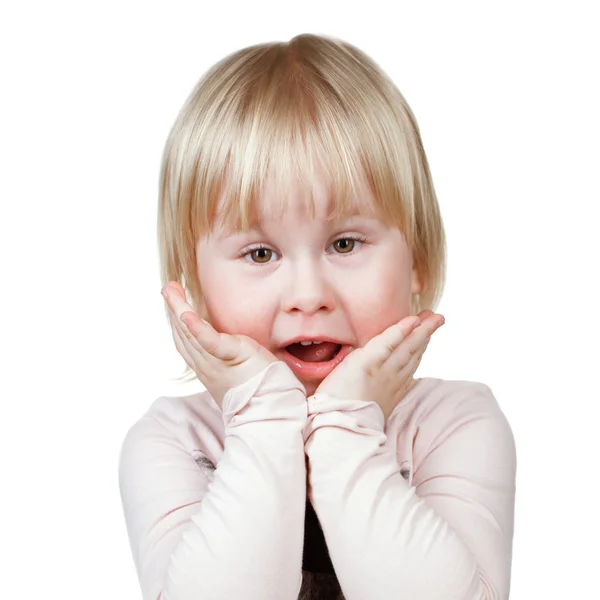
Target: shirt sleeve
pixel 239 535
pixel 448 537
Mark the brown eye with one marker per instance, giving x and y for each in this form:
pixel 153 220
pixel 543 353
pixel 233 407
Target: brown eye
pixel 347 245
pixel 261 251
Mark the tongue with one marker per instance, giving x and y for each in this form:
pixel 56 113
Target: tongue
pixel 315 352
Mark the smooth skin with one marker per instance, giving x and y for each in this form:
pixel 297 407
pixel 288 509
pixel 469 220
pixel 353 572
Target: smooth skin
pixel 381 371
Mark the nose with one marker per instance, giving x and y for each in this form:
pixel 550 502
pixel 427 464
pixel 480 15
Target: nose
pixel 308 289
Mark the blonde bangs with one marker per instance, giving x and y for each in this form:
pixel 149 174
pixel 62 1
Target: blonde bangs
pixel 290 114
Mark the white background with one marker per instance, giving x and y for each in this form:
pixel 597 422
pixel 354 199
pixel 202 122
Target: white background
pixel 506 96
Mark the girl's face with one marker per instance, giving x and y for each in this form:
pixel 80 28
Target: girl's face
pixel 309 280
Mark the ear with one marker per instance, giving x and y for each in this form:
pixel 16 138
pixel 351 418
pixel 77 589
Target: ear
pixel 416 281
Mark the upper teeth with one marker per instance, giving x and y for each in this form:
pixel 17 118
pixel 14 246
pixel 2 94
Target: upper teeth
pixel 309 343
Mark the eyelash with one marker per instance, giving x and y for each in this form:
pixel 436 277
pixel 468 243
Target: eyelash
pixel 248 250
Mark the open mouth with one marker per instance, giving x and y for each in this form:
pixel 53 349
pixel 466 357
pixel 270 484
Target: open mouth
pixel 323 352
pixel 314 362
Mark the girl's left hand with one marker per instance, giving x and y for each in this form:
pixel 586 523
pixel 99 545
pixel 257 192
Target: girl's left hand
pixel 381 371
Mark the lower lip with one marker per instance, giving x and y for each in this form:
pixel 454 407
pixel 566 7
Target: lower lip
pixel 314 371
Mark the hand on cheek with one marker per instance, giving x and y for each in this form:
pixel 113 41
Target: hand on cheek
pixel 383 369
pixel 219 360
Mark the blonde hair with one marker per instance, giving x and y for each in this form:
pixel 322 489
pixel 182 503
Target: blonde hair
pixel 281 108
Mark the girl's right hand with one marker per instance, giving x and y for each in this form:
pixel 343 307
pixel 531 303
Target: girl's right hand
pixel 221 361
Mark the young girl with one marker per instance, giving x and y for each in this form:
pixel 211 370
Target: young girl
pixel 297 206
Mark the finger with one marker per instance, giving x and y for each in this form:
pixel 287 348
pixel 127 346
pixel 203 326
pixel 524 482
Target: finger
pixel 220 345
pixel 405 371
pixel 179 343
pixel 414 345
pixel 199 331
pixel 176 300
pixel 408 359
pixel 419 335
pixel 192 343
pixel 381 347
pixel 177 288
pixel 189 348
pixel 198 337
pixel 175 291
pixel 415 361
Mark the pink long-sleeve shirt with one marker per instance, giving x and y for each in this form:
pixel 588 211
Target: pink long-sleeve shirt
pixel 418 508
